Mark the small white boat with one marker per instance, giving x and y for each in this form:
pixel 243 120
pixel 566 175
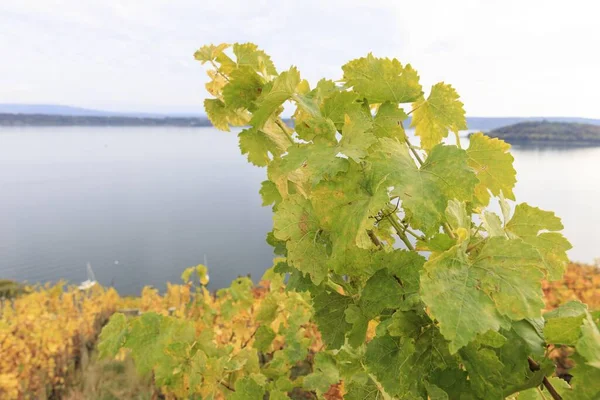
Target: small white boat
pixel 91 279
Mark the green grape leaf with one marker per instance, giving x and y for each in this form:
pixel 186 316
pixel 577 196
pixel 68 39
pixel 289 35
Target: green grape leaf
pixel 309 122
pixel 330 308
pixel 505 262
pixel 381 291
pixel 553 247
pixel 325 374
pixel 584 383
pixel 187 274
pixel 145 341
pixel 388 122
pixel 298 282
pixel 435 393
pixel 338 104
pixel 431 352
pixel 437 243
pixel 268 310
pixel 348 203
pixel 243 89
pixel 389 360
pixel 295 222
pixel 588 345
pixel 406 266
pixel 360 324
pixel 586 373
pixel 531 332
pixel 357 136
pixel 314 128
pixel 248 54
pixel 319 160
pixel 258 145
pixel 221 116
pixel 434 117
pixel 209 52
pixel 485 371
pixel 469 297
pixel 425 191
pixel 171 367
pixel 247 388
pixel 269 193
pixel 149 336
pixel 281 90
pixel 527 222
pixel 216 83
pixel 563 324
pixel 497 365
pixel 405 323
pixel 198 364
pixel 113 336
pixel 382 79
pixel 363 387
pixel 493 165
pixel 217 113
pixel 459 220
pixel 513 353
pixel 492 224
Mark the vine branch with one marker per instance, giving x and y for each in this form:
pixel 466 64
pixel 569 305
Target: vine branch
pixel 284 127
pixel 227 386
pixel 534 366
pixel 219 71
pixel 413 150
pixel 249 338
pixel 400 232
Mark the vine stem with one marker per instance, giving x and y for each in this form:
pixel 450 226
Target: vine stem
pixel 284 127
pixel 536 367
pixel 448 230
pixel 457 140
pixel 413 150
pixel 249 339
pixel 413 234
pixel 227 386
pixel 400 232
pixel 219 71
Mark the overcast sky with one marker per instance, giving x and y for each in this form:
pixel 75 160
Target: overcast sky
pixel 505 58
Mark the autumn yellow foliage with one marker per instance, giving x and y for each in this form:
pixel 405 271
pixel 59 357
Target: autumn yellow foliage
pixel 43 333
pixel 580 282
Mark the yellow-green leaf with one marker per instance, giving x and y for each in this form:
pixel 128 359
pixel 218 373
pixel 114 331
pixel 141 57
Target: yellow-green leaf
pixel 434 117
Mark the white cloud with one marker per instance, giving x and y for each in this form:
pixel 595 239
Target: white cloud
pixel 504 57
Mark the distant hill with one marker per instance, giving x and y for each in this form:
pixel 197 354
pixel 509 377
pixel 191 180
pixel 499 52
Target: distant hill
pixel 489 123
pixel 94 120
pixel 50 109
pixel 56 109
pixel 562 133
pixel 40 114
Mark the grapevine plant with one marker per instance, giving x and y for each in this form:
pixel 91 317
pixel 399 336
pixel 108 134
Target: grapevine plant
pixel 418 289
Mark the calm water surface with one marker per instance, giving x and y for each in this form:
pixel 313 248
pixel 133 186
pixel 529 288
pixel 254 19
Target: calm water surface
pixel 141 204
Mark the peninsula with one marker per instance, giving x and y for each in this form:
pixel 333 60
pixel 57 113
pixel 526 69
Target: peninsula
pixel 546 132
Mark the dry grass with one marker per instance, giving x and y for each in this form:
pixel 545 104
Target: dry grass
pixel 109 380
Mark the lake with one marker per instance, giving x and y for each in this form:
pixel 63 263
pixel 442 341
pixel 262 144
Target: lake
pixel 141 204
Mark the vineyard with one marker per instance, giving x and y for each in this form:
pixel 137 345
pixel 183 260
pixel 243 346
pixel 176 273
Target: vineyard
pixel 394 277
pixel 44 335
pixel 192 303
